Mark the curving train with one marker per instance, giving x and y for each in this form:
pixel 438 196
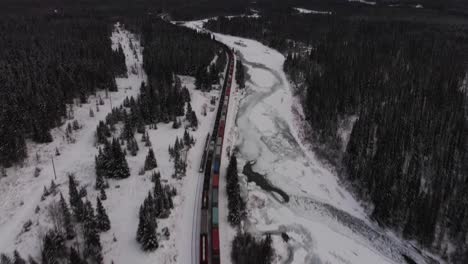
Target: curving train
pixel 209 231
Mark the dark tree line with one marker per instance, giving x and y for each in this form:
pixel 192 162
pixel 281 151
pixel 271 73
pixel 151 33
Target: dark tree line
pixel 45 62
pixel 246 249
pixel 240 74
pixel 236 204
pixel 407 152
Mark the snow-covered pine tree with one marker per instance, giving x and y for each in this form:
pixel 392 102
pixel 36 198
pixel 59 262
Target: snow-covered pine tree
pixel 91 234
pixel 99 182
pixel 67 221
pixel 186 138
pixel 103 222
pixel 117 165
pixel 103 195
pixel 132 146
pixel 74 257
pixel 148 141
pixel 53 247
pixel 194 120
pixel 141 225
pixel 150 239
pixel 150 161
pixel 75 200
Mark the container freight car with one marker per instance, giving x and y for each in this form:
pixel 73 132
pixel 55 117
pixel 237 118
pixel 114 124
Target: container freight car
pixel 215 241
pixel 215 180
pixel 215 217
pixel 214 193
pixel 216 166
pixel 209 232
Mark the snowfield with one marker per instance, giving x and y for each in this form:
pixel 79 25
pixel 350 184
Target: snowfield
pixel 308 11
pixel 21 192
pixel 324 222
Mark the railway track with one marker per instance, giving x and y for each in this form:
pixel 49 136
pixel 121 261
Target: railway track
pixel 211 161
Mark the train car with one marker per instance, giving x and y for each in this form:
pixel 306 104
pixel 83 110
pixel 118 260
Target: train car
pixel 215 180
pixel 221 130
pixel 215 242
pixel 214 197
pixel 216 166
pixel 214 217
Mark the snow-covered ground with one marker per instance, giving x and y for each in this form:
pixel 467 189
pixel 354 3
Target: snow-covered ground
pixel 308 11
pixel 21 192
pixel 323 220
pixel 363 2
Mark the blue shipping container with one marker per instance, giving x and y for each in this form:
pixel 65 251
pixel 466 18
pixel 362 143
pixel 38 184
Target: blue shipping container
pixel 216 166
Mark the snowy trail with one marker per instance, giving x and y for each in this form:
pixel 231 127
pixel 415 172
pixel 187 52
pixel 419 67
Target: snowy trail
pixel 325 223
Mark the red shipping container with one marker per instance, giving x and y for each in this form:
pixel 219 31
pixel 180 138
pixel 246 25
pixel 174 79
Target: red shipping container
pixel 215 180
pixel 215 239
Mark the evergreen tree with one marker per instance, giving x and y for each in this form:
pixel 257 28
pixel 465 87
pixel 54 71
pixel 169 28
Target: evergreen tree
pixel 150 161
pixel 91 234
pixel 53 248
pixel 149 239
pixel 74 257
pixel 75 200
pixel 103 222
pixel 132 146
pixel 118 164
pixel 236 204
pixel 67 221
pixel 102 194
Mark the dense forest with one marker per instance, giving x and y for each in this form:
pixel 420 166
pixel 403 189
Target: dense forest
pixel 44 64
pixel 407 152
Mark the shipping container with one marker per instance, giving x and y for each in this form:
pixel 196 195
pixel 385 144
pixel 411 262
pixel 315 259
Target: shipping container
pixel 219 141
pixel 215 180
pixel 215 241
pixel 216 166
pixel 214 197
pixel 214 217
pixel 218 151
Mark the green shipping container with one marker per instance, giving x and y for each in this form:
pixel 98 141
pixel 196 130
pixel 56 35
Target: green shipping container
pixel 215 216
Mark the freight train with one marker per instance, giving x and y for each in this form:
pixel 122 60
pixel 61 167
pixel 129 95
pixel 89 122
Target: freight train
pixel 211 161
